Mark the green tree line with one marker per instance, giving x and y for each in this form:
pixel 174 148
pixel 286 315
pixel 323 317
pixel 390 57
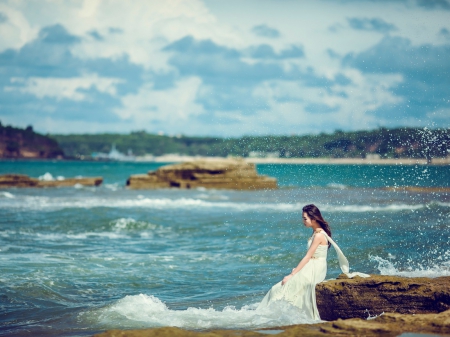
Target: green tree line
pixel 388 143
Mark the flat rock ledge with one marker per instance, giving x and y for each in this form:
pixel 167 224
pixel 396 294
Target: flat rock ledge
pixel 233 174
pixel 396 305
pixel 21 180
pixel 359 297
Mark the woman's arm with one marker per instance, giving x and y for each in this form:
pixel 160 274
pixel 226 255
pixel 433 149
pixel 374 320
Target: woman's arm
pixel 318 239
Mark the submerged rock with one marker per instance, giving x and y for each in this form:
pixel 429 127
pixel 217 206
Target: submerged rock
pixel 361 297
pixel 21 180
pixel 232 174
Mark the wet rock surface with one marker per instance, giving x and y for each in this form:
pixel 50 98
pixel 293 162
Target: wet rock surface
pixel 359 297
pixel 21 180
pixel 232 174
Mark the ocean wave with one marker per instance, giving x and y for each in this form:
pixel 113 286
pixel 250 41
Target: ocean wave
pixel 49 177
pixel 47 203
pixel 440 268
pixel 7 195
pixel 337 186
pixel 148 311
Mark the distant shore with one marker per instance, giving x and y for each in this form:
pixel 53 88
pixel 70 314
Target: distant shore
pixel 333 161
pixel 349 161
pixel 172 158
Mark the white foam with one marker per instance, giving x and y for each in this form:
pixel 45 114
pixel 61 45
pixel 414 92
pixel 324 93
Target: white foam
pixel 149 311
pixel 46 177
pixel 48 203
pixel 337 186
pixel 7 195
pixel 440 268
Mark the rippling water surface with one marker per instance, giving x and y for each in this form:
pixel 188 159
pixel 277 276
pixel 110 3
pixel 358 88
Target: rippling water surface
pixel 76 261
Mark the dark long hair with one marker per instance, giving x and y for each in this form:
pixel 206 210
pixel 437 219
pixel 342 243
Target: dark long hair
pixel 314 214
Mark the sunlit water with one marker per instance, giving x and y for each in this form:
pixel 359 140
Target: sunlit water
pixel 76 261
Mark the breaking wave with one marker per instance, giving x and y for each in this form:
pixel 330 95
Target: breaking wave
pixel 48 203
pixel 149 311
pixel 441 267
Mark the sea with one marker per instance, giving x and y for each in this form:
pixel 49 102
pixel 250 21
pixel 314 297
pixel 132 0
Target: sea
pixel 78 260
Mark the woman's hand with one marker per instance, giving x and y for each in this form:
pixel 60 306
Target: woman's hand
pixel 285 279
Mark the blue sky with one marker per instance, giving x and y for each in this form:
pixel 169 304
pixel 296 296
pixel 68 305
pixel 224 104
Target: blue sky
pixel 224 68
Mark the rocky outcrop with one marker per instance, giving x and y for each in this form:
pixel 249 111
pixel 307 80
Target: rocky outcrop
pixel 21 180
pixel 25 143
pixel 359 297
pixel 232 174
pixel 386 325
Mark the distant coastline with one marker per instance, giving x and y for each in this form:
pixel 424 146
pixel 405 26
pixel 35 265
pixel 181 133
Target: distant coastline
pixel 350 161
pixel 172 158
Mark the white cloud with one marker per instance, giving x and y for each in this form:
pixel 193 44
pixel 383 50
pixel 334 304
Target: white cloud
pixel 141 29
pixel 162 110
pixel 63 88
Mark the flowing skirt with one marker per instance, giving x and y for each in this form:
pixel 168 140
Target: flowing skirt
pixel 300 290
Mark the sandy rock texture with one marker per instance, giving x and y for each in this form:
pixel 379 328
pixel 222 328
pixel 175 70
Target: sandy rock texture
pixel 21 180
pixel 232 174
pixel 357 297
pixel 386 325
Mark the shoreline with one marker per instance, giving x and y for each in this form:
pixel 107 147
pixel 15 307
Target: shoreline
pixel 349 161
pixel 302 161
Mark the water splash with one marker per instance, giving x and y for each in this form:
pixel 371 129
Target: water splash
pixel 149 311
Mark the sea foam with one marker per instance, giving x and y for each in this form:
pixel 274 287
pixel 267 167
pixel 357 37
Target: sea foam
pixel 148 311
pixel 441 267
pixel 48 203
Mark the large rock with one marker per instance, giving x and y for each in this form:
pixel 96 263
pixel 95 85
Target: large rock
pixel 17 180
pixel 359 297
pixel 232 174
pixel 387 325
pixel 21 180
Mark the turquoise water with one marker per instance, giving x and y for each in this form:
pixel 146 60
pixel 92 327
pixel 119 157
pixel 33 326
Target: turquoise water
pixel 76 261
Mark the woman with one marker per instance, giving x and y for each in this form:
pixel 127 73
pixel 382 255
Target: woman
pixel 298 288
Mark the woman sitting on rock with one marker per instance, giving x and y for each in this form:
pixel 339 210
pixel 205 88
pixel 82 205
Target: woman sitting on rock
pixel 298 288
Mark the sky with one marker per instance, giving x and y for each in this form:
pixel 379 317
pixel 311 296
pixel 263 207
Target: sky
pixel 224 68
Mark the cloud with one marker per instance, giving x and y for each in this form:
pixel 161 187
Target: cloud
pixel 57 34
pixel 200 67
pixel 320 108
pixel 43 78
pixel 434 4
pixel 74 88
pixel 266 31
pixel 228 82
pixel 96 35
pixel 424 69
pixel 3 18
pixel 445 33
pixel 164 110
pixel 265 51
pixel 374 24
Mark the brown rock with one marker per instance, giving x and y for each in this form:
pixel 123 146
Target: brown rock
pixel 17 180
pixel 84 181
pixel 21 180
pixel 386 325
pixel 232 174
pixel 357 297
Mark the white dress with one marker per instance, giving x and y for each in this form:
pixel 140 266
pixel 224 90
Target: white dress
pixel 300 290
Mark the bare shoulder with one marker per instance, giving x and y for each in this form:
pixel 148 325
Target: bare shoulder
pixel 320 237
